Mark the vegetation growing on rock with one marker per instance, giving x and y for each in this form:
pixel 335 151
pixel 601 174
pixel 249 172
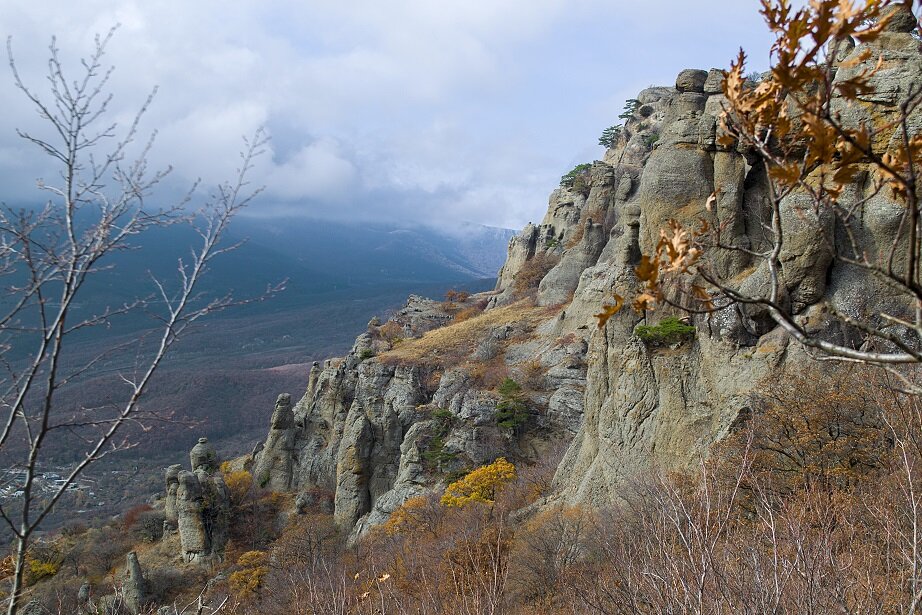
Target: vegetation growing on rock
pixel 576 172
pixel 610 135
pixel 481 485
pixel 247 581
pixel 435 456
pixel 630 108
pixel 512 410
pixel 670 330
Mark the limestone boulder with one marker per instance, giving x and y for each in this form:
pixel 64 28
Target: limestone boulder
pixel 676 183
pixel 714 82
pixel 169 504
pixel 691 80
pixel 900 18
pixel 203 456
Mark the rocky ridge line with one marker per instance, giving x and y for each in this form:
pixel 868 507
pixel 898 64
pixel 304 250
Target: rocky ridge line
pixel 415 400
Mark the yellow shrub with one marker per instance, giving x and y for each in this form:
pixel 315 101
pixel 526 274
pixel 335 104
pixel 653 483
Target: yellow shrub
pixel 41 569
pixel 248 581
pixel 481 485
pixel 238 484
pixel 406 517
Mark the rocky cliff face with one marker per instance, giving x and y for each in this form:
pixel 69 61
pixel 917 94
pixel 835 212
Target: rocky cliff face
pixel 667 406
pixel 405 409
pixel 416 399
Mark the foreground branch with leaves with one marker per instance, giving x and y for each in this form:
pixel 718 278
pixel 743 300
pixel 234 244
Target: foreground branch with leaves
pixel 834 131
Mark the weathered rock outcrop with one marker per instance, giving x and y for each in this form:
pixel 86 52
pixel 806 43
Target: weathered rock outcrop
pixel 522 248
pixel 131 596
pixel 382 424
pixel 197 505
pixel 399 412
pixel 274 470
pixel 84 604
pixel 134 585
pixel 667 406
pixel 171 516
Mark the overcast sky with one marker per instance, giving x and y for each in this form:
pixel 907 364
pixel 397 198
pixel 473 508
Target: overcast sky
pixel 431 110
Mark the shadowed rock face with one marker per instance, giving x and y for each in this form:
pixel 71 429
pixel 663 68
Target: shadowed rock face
pixel 365 432
pixel 169 506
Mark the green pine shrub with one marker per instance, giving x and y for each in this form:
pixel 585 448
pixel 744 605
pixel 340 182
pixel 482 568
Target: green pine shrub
pixel 668 331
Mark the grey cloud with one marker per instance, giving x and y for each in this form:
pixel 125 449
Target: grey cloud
pixel 454 110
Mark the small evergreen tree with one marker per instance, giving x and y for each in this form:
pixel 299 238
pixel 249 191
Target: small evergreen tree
pixel 630 108
pixel 511 411
pixel 610 135
pixel 575 173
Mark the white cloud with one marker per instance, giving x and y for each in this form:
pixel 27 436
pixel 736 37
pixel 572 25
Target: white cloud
pixel 465 109
pixel 317 171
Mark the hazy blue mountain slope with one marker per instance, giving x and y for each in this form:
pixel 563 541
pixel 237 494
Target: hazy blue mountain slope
pixel 357 253
pixel 320 261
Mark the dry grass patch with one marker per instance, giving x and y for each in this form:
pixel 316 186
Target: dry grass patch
pixel 533 374
pixel 488 374
pixel 532 272
pixel 467 313
pixel 451 344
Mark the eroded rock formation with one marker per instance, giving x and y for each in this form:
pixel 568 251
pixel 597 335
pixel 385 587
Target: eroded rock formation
pixel 405 409
pixel 134 586
pixel 197 505
pixel 378 427
pixel 646 406
pixel 274 470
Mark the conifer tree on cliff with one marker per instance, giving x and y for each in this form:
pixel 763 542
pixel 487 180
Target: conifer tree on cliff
pixel 834 131
pixel 98 204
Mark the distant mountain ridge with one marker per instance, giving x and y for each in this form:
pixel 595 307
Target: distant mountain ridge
pixel 357 252
pixel 319 261
pixel 222 376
